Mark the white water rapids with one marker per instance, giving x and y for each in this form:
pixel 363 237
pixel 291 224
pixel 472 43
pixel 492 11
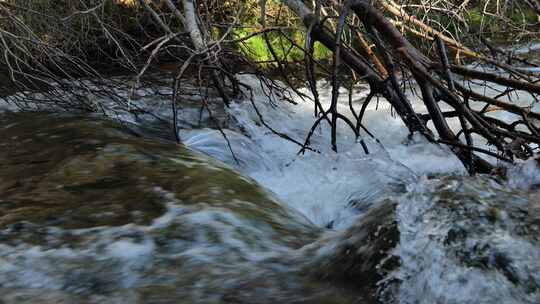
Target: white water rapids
pixel 321 185
pixel 332 190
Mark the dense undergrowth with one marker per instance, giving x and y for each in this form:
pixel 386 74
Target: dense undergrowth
pixel 105 33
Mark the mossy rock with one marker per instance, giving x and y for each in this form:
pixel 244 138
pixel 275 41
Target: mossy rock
pixel 82 172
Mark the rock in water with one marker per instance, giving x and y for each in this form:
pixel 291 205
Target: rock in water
pixel 469 240
pixel 83 172
pixel 449 240
pixel 363 256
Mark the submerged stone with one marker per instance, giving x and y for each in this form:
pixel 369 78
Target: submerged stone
pixel 363 256
pixel 449 240
pixel 81 172
pixel 468 240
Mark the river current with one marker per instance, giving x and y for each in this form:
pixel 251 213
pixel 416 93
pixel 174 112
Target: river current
pixel 94 210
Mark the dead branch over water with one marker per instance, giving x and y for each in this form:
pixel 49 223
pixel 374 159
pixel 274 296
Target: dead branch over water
pixel 387 44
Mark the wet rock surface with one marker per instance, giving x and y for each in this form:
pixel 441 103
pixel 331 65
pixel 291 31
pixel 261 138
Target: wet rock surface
pixel 363 256
pixel 83 172
pixel 448 240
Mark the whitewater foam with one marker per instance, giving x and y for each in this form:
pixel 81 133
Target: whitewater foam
pixel 322 185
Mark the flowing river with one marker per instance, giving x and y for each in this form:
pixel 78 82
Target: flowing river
pixel 101 211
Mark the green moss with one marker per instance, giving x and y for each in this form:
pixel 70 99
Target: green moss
pixel 256 48
pixel 475 18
